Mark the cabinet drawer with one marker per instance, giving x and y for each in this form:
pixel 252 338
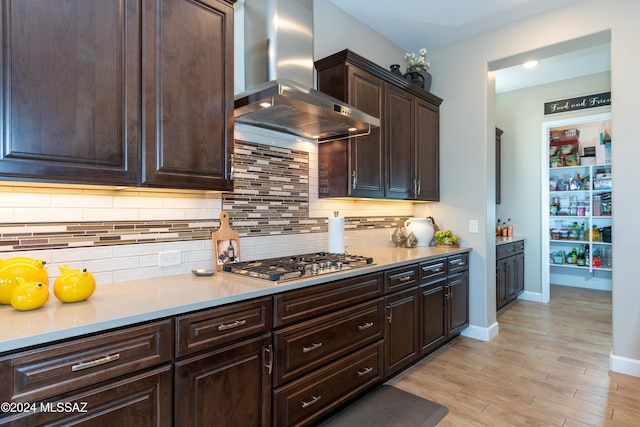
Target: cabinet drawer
pixel 145 398
pixel 307 345
pixel 457 263
pixel 400 278
pixel 433 270
pixel 505 250
pixel 518 246
pixel 317 300
pixel 210 328
pixel 56 369
pixel 304 400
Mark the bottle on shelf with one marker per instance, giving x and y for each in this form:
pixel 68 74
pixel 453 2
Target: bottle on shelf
pixel 580 261
pixel 587 259
pixel 595 234
pixel 596 260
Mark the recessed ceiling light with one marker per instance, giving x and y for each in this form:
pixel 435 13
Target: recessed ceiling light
pixel 352 129
pixel 530 64
pixel 265 104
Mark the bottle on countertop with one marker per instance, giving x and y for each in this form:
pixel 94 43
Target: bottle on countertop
pixel 498 228
pixel 509 228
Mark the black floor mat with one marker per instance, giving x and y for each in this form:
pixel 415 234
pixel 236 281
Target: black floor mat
pixel 388 406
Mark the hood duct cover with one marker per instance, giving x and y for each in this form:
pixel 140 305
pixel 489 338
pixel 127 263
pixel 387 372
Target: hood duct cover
pixel 279 51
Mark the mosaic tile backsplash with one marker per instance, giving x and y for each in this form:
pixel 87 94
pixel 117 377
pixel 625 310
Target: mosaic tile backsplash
pixel 271 197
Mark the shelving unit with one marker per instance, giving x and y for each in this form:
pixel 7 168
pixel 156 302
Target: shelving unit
pixel 569 204
pixel 567 147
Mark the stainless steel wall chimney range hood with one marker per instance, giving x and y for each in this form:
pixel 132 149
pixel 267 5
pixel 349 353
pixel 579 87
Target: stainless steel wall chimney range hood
pixel 279 51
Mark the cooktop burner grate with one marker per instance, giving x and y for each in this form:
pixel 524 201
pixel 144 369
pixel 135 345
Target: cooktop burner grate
pixel 298 266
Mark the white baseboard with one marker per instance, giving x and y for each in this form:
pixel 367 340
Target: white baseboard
pixel 480 333
pixel 624 365
pixel 531 296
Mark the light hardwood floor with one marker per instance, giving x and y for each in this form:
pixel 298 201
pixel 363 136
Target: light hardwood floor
pixel 548 366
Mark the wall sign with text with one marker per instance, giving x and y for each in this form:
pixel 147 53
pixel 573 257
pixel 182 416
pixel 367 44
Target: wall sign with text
pixel 579 103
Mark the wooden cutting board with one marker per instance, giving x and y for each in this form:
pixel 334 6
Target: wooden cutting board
pixel 221 240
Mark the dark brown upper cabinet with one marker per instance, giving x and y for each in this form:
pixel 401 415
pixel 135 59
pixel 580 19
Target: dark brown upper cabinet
pixel 399 160
pixel 129 92
pixel 353 167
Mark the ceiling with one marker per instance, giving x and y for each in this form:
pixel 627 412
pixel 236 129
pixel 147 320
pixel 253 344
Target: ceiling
pixel 436 23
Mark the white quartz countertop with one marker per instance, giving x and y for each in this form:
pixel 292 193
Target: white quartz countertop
pixel 502 240
pixel 127 303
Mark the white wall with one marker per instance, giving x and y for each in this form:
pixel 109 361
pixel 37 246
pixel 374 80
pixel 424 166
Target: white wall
pixel 519 114
pixel 467 124
pixel 336 31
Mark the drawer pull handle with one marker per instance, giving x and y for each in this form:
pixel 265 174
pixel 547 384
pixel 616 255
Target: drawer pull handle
pixel 269 349
pixel 457 262
pixel 313 400
pixel 97 362
pixel 314 346
pixel 405 278
pixel 365 326
pixel 436 270
pixel 364 372
pixel 235 324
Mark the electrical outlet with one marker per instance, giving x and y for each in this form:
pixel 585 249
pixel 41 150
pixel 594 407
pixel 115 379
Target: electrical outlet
pixel 473 226
pixel 169 258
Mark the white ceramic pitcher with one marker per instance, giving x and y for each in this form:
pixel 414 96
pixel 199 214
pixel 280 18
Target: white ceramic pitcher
pixel 421 228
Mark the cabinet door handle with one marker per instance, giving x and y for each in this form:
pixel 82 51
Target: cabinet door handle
pixel 354 180
pixel 364 372
pixel 313 400
pixel 365 326
pixel 415 187
pixel 314 346
pixel 269 350
pixel 419 187
pixel 405 278
pixel 390 316
pixel 232 168
pixel 96 362
pixel 232 325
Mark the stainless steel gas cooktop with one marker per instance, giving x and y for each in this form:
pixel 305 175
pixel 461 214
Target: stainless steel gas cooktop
pixel 298 266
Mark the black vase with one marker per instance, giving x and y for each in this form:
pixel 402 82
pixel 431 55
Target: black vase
pixel 395 69
pixel 419 78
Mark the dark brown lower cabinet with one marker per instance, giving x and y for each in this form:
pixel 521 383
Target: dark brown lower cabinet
pixel 283 360
pixel 458 303
pixel 306 399
pixel 230 386
pixel 432 315
pixel 137 400
pixel 444 300
pixel 401 334
pixel 509 272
